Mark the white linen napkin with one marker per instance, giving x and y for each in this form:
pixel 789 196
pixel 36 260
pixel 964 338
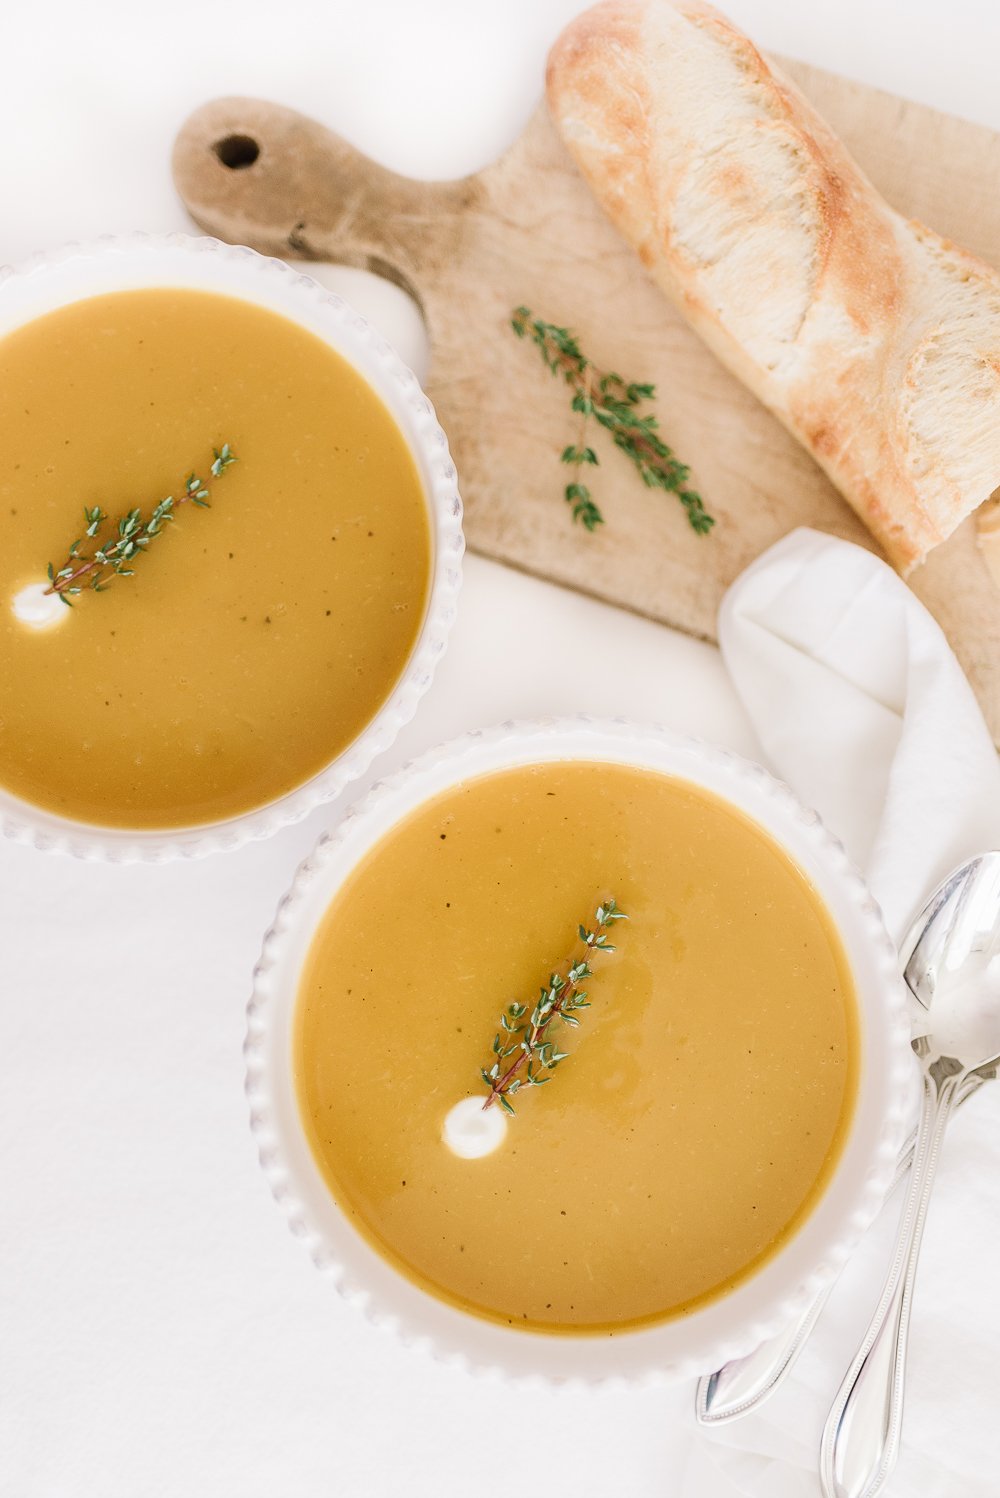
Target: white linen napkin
pixel 863 710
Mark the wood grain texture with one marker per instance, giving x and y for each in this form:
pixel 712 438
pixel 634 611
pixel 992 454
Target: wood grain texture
pixel 526 230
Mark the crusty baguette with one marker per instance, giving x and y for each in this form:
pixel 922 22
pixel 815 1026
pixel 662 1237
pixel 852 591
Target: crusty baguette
pixel 876 342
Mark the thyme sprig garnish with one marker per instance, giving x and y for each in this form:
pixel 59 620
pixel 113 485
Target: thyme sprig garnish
pixel 133 537
pixel 526 1038
pixel 612 402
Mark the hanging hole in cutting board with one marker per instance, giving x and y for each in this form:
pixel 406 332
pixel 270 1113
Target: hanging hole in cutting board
pixel 386 305
pixel 237 151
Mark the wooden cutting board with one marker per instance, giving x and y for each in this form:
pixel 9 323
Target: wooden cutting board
pixel 527 231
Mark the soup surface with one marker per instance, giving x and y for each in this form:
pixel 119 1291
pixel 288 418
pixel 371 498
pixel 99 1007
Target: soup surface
pixel 256 638
pixel 707 1093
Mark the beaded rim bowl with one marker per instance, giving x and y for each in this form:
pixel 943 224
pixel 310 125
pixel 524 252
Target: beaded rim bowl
pixel 731 1326
pixel 126 262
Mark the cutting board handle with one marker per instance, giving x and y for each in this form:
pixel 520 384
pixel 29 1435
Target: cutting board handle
pixel 254 173
pixel 526 230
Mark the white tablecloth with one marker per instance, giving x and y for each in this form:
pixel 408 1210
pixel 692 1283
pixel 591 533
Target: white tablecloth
pixel 161 1332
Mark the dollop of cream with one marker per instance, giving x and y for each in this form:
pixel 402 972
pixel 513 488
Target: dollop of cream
pixel 471 1131
pixel 35 606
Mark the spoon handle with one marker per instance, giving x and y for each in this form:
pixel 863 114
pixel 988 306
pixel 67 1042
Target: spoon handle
pixel 743 1384
pixel 861 1437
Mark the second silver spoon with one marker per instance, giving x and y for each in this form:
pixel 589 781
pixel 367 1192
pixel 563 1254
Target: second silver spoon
pixel 742 1385
pixel 953 971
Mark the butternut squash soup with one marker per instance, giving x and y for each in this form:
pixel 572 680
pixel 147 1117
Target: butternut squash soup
pixel 704 1100
pixel 256 638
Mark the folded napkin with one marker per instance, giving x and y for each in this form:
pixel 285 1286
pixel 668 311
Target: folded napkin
pixel 863 710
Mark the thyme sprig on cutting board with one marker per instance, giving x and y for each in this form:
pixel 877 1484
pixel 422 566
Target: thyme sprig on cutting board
pixel 613 403
pixel 524 1037
pixel 133 536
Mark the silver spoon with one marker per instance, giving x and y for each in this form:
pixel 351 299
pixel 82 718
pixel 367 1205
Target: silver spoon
pixel 743 1384
pixel 952 968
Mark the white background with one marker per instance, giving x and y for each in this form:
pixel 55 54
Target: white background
pixel 160 1330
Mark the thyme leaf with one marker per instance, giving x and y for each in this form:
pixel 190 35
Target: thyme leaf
pixel 132 539
pixel 524 1036
pixel 611 402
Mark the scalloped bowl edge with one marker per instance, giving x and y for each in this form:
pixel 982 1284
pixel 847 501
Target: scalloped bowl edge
pixel 729 1327
pixel 120 262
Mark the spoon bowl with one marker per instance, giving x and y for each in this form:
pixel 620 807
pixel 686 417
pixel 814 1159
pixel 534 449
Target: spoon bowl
pixel 954 966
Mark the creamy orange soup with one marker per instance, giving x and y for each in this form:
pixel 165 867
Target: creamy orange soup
pixel 257 638
pixel 707 1094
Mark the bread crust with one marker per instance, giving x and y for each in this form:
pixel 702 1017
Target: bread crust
pixel 873 340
